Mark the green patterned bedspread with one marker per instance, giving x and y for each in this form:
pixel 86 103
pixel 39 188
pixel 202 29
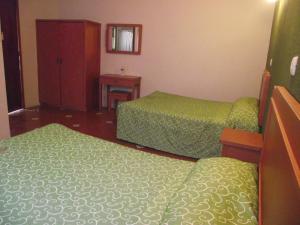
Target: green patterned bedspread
pixel 54 175
pixel 176 124
pixel 218 191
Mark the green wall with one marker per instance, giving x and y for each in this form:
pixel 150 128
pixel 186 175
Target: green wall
pixel 284 45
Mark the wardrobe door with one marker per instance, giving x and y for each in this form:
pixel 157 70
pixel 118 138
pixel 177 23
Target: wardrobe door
pixel 48 64
pixel 72 65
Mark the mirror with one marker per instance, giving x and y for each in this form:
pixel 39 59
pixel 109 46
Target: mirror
pixel 124 38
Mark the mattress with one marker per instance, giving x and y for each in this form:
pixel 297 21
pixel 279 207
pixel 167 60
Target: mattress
pixel 54 175
pixel 181 125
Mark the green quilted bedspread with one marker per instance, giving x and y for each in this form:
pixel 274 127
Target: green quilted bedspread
pixel 54 175
pixel 218 191
pixel 176 124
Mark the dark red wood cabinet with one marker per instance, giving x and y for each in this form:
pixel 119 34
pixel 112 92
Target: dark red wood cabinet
pixel 68 63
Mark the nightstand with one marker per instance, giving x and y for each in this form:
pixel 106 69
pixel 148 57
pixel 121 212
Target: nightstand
pixel 242 145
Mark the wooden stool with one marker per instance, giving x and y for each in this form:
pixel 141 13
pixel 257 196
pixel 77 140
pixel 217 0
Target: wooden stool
pixel 118 96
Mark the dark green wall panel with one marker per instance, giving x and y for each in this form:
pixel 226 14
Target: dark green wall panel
pixel 284 45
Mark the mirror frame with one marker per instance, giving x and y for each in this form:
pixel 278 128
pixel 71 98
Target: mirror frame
pixel 140 26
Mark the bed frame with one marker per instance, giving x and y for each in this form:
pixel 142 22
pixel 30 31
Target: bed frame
pixel 279 169
pixel 264 91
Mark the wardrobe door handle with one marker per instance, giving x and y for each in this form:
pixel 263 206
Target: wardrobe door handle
pixel 59 60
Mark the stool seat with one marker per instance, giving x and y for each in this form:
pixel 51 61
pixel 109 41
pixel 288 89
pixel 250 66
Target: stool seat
pixel 118 95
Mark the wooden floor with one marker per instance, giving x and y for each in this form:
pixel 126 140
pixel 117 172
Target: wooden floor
pixel 101 125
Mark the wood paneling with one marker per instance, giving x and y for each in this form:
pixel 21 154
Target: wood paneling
pixel 279 165
pixel 72 65
pixel 75 45
pixel 264 91
pixel 242 145
pixel 92 44
pixel 48 63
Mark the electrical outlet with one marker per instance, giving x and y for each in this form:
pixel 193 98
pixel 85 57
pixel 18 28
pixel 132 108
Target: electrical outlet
pixel 294 64
pixel 123 70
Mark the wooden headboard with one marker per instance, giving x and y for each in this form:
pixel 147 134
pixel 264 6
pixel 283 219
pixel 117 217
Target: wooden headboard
pixel 279 183
pixel 264 90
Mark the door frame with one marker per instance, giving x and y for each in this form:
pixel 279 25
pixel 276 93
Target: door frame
pixel 20 55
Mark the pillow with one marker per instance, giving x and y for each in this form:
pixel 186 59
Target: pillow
pixel 244 115
pixel 217 191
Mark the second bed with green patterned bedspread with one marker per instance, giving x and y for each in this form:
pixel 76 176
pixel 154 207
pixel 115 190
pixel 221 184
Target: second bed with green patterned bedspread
pixel 181 125
pixel 57 176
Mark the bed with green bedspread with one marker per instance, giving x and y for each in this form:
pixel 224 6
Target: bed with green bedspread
pixel 217 191
pixel 182 125
pixel 54 175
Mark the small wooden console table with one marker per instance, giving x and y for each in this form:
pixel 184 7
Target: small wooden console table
pixel 117 80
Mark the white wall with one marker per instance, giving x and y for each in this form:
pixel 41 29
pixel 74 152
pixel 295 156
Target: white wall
pixel 202 48
pixel 29 11
pixel 4 123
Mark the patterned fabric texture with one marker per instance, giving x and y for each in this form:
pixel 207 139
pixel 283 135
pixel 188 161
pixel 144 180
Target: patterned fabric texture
pixel 180 125
pixel 54 175
pixel 219 191
pixel 243 113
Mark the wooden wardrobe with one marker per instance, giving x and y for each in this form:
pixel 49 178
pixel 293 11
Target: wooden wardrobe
pixel 68 63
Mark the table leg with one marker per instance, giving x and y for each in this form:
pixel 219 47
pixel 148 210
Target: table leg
pixel 138 90
pixel 132 94
pixel 107 93
pixel 100 97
